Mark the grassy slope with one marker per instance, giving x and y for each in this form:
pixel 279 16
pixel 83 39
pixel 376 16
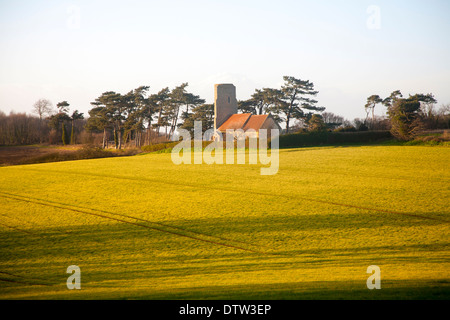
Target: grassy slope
pixel 141 227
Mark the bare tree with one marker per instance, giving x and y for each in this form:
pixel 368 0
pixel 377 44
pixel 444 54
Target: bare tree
pixel 18 129
pixel 332 120
pixel 42 108
pixel 444 115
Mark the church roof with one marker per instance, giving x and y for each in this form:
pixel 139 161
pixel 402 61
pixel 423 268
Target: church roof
pixel 235 122
pixel 255 122
pixel 244 121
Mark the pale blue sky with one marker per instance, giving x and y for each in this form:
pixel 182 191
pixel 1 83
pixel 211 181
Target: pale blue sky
pixel 48 50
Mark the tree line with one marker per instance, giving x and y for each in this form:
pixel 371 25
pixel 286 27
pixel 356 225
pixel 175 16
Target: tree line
pixel 409 115
pixel 293 101
pixel 48 126
pixel 139 118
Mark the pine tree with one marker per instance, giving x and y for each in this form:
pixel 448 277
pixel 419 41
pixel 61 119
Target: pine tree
pixel 62 116
pixel 293 101
pixel 75 116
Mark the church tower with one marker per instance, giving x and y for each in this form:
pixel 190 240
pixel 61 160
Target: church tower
pixel 225 103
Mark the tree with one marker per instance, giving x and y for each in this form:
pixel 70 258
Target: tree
pixel 115 112
pixel 172 110
pixel 169 104
pixel 389 101
pixel 148 108
pixel 179 97
pixel 142 111
pixel 372 101
pixel 427 110
pixel 203 113
pixel 75 116
pixel 191 100
pixel 260 102
pixel 42 108
pixel 246 106
pixel 64 134
pixel 63 107
pixel 161 101
pixel 360 125
pixel 293 100
pixel 132 122
pixel 444 116
pixel 57 121
pixel 98 120
pixel 332 121
pixel 18 129
pixel 316 123
pixel 405 116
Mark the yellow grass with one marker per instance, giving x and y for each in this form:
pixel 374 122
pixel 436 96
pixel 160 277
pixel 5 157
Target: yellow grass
pixel 142 227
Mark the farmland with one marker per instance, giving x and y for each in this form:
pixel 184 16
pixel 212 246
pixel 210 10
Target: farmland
pixel 141 227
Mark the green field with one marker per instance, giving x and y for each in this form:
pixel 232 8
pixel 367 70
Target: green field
pixel 141 227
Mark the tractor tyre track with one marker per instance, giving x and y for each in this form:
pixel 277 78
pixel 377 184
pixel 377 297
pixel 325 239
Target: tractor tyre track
pixel 66 207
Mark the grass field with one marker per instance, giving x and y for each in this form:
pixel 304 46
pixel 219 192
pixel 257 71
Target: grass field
pixel 142 228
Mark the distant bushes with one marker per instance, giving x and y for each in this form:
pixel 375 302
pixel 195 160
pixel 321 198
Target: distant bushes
pixel 429 143
pixel 168 146
pixel 431 140
pixel 347 129
pixel 310 139
pixel 159 146
pixel 87 152
pixel 304 139
pixel 331 138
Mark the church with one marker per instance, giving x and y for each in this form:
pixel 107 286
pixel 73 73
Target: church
pixel 227 118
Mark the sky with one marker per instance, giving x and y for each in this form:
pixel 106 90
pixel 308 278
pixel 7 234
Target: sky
pixel 350 49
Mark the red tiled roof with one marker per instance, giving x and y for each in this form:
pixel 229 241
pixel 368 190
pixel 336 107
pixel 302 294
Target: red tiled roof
pixel 255 122
pixel 244 121
pixel 235 122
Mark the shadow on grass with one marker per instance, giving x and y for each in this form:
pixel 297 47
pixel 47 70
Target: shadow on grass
pixel 114 258
pixel 316 290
